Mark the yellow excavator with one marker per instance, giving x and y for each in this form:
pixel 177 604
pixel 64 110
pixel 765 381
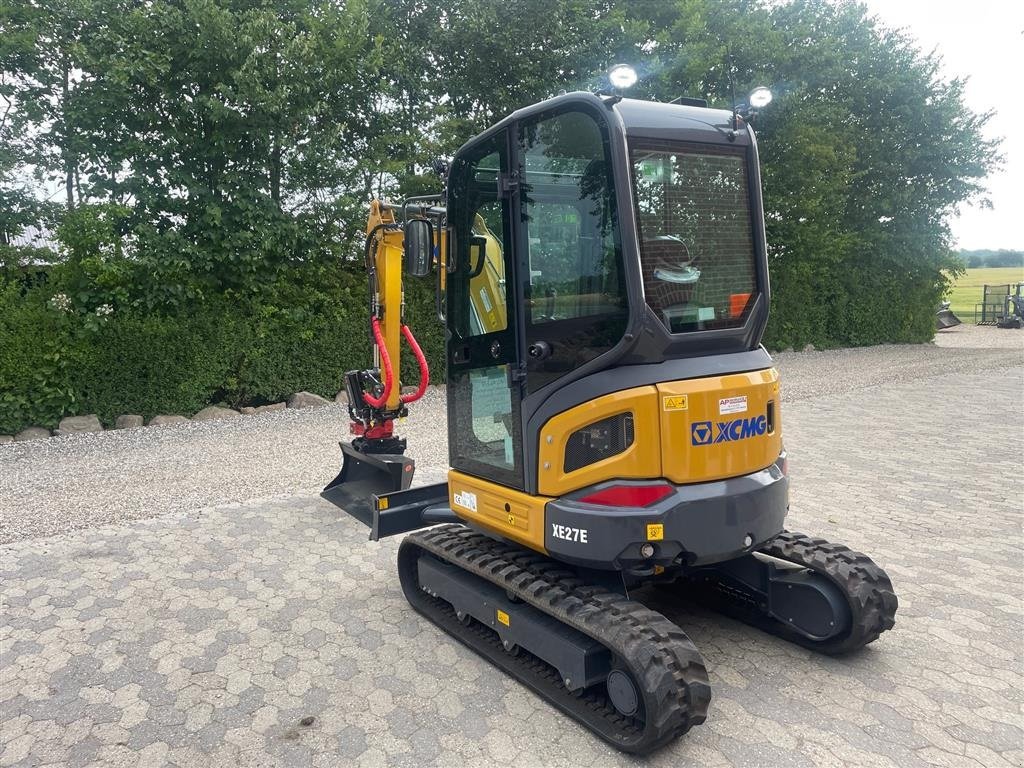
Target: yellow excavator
pixel 614 423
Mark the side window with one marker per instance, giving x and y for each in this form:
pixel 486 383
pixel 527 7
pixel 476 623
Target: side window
pixel 478 293
pixel 573 282
pixel 484 430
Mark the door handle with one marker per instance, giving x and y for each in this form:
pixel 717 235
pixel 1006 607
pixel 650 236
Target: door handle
pixel 539 350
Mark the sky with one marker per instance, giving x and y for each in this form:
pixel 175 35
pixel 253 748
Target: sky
pixel 984 41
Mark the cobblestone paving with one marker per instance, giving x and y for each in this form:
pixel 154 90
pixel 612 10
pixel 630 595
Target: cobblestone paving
pixel 272 633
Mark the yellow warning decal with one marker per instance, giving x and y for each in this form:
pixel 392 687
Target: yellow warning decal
pixel 382 503
pixel 503 618
pixel 655 532
pixel 674 403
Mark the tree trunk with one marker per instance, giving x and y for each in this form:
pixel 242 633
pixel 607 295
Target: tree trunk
pixel 275 168
pixel 69 163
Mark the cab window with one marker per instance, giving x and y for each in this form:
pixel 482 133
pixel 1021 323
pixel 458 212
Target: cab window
pixel 696 239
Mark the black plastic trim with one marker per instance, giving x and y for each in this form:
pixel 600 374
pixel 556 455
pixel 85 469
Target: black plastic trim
pixel 703 523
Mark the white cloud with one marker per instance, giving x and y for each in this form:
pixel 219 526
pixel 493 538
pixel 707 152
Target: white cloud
pixel 984 41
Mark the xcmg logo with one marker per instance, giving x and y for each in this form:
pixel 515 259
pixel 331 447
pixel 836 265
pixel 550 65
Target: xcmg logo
pixel 706 432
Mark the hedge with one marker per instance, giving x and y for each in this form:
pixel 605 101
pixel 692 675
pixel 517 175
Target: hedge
pixel 55 363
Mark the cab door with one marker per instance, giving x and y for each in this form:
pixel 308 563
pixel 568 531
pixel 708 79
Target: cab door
pixel 484 374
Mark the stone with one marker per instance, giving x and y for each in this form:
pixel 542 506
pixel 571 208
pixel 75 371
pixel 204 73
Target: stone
pixel 32 433
pixel 128 420
pixel 247 410
pixel 165 419
pixel 215 412
pixel 306 400
pixel 69 425
pixel 272 407
pixel 341 397
pixel 409 389
pixel 809 348
pixel 4 439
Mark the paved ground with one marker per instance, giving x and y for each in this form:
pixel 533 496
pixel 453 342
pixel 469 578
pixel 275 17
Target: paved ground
pixel 206 637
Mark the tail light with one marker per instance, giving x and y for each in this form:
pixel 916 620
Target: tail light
pixel 628 495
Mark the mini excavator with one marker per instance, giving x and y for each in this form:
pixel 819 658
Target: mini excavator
pixel 614 423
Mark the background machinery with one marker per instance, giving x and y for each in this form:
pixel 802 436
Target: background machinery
pixel 613 420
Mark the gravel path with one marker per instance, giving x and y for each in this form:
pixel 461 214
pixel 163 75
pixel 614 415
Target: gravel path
pixel 82 481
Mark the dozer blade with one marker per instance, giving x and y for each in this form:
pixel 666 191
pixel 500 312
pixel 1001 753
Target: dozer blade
pixel 945 318
pixel 365 475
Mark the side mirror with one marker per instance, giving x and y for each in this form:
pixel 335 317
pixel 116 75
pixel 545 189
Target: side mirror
pixel 418 246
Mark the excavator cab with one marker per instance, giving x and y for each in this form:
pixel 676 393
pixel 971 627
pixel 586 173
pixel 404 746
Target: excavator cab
pixel 613 420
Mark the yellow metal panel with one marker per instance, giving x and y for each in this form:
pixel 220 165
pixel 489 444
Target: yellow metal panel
pixel 641 459
pixel 512 514
pixel 389 274
pixel 711 403
pixel 388 259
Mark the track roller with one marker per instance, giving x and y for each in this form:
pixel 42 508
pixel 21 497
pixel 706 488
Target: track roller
pixel 823 596
pixel 624 671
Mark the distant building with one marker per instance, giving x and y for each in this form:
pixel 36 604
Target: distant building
pixel 35 237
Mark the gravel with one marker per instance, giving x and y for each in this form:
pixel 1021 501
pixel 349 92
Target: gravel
pixel 85 480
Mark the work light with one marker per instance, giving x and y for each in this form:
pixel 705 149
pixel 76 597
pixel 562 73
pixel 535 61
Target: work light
pixel 622 76
pixel 759 97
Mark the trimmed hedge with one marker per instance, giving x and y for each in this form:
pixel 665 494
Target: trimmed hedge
pixel 843 305
pixel 55 363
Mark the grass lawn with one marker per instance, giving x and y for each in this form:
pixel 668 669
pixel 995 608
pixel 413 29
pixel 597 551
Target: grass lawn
pixel 967 291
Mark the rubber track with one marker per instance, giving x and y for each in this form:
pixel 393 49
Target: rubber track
pixel 866 587
pixel 657 653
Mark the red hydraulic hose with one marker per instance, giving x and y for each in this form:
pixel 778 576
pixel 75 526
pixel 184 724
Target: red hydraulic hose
pixel 424 369
pixel 385 361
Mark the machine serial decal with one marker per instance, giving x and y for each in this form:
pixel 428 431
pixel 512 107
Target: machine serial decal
pixel 569 534
pixel 465 499
pixel 706 433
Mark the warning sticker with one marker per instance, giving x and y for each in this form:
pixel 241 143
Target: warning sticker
pixel 732 405
pixel 674 403
pixel 655 531
pixel 503 618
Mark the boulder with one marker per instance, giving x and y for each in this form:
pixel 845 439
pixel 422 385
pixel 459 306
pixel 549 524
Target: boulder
pixel 341 397
pixel 247 410
pixel 4 439
pixel 409 389
pixel 128 421
pixel 215 412
pixel 69 425
pixel 165 419
pixel 270 408
pixel 306 400
pixel 32 433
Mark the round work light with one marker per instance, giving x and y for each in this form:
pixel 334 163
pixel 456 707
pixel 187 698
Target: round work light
pixel 622 76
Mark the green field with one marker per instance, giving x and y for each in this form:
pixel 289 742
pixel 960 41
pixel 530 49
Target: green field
pixel 967 290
